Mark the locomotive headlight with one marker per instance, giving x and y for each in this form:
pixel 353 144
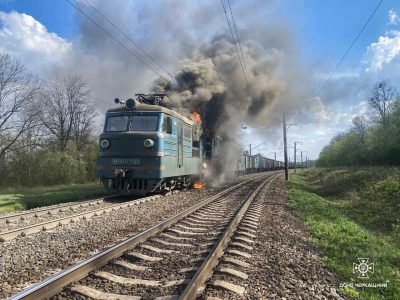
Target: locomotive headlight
pixel 130 104
pixel 148 143
pixel 105 144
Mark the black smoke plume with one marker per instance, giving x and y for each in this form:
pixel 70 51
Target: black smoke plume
pixel 211 82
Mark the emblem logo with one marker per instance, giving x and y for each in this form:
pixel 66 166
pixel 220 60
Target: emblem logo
pixel 363 267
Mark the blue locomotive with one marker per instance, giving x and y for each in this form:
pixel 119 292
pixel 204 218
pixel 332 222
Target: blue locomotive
pixel 146 147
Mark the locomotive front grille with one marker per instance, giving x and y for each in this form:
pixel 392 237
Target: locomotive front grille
pixel 132 184
pixel 139 184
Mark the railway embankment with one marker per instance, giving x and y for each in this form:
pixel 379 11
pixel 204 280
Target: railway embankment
pixel 25 198
pixel 353 217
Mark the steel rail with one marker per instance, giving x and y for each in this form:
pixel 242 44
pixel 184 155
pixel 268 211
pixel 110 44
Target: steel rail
pixel 206 269
pixel 47 210
pixel 55 283
pixel 34 228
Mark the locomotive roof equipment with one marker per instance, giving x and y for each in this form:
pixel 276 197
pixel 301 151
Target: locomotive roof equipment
pixel 152 99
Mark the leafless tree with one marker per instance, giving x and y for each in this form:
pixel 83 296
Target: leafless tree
pixel 360 127
pixel 383 96
pixel 67 113
pixel 19 111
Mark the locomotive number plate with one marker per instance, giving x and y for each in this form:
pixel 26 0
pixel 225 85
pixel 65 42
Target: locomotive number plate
pixel 126 161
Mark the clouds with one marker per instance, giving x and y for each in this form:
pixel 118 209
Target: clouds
pixel 24 37
pixel 393 17
pixel 384 51
pixel 320 110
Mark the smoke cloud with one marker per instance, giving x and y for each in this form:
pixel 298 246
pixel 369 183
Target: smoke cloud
pixel 191 41
pixel 211 82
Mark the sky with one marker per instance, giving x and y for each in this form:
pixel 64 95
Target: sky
pixel 49 36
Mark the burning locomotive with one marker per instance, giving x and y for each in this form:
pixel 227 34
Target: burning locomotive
pixel 146 147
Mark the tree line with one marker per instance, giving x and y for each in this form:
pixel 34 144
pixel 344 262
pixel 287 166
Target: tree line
pixel 374 138
pixel 46 128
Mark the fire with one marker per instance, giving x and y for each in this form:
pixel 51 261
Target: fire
pixel 198 185
pixel 196 117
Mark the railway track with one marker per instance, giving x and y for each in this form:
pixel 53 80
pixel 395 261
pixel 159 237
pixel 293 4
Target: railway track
pixel 170 260
pixel 29 222
pixel 33 213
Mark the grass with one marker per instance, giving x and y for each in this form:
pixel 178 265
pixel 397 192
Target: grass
pixel 342 240
pixel 369 196
pixel 26 198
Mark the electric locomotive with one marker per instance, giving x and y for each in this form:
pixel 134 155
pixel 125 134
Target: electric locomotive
pixel 146 147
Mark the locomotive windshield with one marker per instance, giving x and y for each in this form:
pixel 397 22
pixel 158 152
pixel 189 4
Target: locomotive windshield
pixel 144 123
pixel 117 123
pixel 131 123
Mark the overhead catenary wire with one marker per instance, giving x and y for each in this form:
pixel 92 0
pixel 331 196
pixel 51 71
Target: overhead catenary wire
pixel 237 35
pixel 234 42
pixel 114 38
pixel 129 39
pixel 349 48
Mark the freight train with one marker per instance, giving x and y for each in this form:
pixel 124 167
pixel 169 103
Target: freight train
pixel 257 163
pixel 146 147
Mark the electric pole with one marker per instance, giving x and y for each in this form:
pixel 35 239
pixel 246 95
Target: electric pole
pixel 274 159
pixel 301 157
pixel 295 154
pixel 295 161
pixel 285 147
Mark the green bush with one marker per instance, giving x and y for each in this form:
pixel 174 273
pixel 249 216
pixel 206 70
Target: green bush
pixel 46 167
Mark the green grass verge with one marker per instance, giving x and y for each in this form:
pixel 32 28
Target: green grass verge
pixel 26 198
pixel 369 196
pixel 342 241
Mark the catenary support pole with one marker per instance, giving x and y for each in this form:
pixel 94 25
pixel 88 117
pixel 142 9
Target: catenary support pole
pixel 295 161
pixel 301 157
pixel 285 147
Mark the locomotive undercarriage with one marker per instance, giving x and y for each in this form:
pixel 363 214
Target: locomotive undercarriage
pixel 125 184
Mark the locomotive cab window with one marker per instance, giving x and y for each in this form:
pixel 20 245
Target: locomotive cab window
pixel 187 132
pixel 131 123
pixel 117 123
pixel 167 124
pixel 144 123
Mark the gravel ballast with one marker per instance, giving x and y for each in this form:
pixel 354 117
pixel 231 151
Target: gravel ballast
pixel 284 264
pixel 32 258
pixel 168 268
